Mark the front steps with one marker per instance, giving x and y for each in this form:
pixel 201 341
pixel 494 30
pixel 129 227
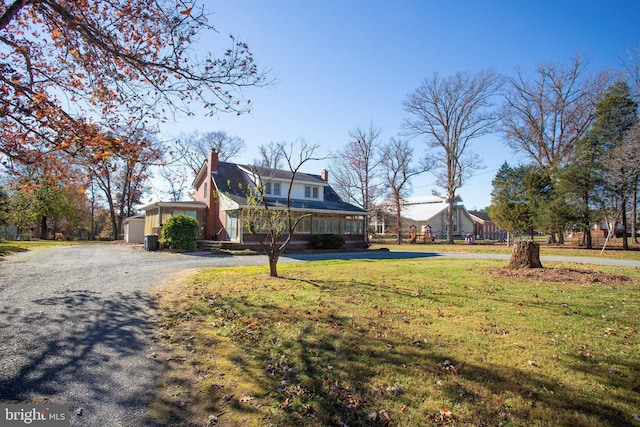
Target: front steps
pixel 209 245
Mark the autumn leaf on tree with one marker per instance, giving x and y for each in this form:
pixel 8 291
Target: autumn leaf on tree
pixel 108 63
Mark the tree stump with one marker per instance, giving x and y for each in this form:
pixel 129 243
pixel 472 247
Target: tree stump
pixel 525 255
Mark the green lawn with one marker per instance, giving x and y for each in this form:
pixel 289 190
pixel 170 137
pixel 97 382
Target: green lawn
pixel 403 343
pixel 613 250
pixel 8 247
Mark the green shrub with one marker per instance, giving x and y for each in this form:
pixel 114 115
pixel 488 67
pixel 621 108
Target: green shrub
pixel 327 241
pixel 181 232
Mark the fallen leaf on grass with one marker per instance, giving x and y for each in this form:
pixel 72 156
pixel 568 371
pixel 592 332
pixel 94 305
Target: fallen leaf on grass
pixel 447 366
pixel 443 415
pixel 395 390
pixel 382 415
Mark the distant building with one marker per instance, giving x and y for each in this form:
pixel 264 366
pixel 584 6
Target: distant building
pixel 429 212
pixel 133 229
pixel 483 227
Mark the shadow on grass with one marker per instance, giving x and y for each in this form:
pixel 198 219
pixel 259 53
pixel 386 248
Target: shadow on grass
pixel 83 349
pixel 337 371
pixel 481 394
pixel 360 255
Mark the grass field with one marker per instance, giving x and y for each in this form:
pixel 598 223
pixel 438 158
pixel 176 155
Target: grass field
pixel 612 251
pixel 403 343
pixel 8 247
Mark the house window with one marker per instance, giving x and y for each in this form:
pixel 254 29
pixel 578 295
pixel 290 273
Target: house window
pixel 272 189
pixel 323 224
pixel 311 192
pixel 304 225
pixel 191 214
pixel 352 225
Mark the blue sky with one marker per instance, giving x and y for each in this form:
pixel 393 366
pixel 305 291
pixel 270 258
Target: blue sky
pixel 342 64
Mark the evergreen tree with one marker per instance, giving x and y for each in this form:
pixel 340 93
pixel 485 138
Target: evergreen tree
pixel 511 206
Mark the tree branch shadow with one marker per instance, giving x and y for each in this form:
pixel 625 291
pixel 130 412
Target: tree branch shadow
pixel 82 346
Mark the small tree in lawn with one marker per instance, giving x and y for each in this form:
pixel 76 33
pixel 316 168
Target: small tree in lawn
pixel 264 216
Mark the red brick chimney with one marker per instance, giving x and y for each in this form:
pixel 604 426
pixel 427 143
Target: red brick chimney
pixel 212 222
pixel 212 162
pixel 324 175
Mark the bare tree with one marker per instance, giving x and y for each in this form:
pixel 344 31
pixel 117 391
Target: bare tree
pixel 621 171
pixel 263 215
pixel 191 150
pixel 450 113
pixel 399 167
pixel 544 118
pixel 177 180
pixel 356 169
pixel 271 155
pixel 631 66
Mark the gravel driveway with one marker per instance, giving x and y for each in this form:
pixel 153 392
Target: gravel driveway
pixel 76 327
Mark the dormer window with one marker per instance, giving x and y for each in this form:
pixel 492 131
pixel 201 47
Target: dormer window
pixel 272 188
pixel 311 192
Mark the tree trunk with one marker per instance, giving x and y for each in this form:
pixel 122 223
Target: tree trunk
pixel 398 220
pixel 525 255
pixel 43 228
pixel 634 212
pixel 450 219
pixel 588 240
pixel 273 265
pixel 625 240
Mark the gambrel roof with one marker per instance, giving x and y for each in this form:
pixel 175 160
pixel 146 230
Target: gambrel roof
pixel 233 180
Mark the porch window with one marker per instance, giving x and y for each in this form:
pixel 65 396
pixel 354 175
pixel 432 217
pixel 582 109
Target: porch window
pixel 352 225
pixel 304 226
pixel 325 224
